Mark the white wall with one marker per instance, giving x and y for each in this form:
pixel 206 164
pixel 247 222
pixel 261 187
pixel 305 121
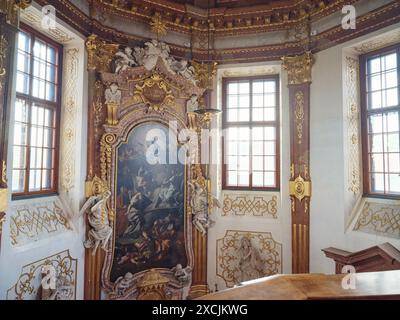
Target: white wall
pixel 331 202
pixel 39 239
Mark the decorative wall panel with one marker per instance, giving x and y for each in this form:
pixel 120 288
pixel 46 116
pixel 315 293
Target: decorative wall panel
pixel 246 255
pixel 34 222
pixel 380 219
pixel 353 119
pixel 68 132
pixel 250 205
pixel 28 284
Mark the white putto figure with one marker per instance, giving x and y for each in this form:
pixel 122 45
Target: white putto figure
pixel 113 94
pixel 123 283
pixel 124 59
pixel 101 231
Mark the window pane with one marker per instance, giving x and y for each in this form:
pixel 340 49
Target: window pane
pixel 393 142
pixel 392 119
pixel 48 155
pixel 392 98
pixel 233 115
pixel 18 180
pixel 258 100
pixel 391 61
pixel 258 163
pixel 258 179
pixel 269 133
pixel 375 83
pixel 394 183
pixel 243 179
pixel 269 148
pixel 244 87
pixel 269 86
pixel 22 83
pixel 377 162
pixel 258 87
pixel 376 143
pixel 232 178
pixel 374 65
pixel 269 163
pixel 269 114
pixel 258 114
pixel 391 79
pixel 21 111
pixel 19 157
pixel 23 62
pixel 46 179
pixel 375 100
pixel 377 182
pixel 269 100
pixel 394 163
pixel 233 102
pixel 269 179
pixel 51 55
pixel 244 101
pixel 233 88
pixel 24 42
pixel 34 180
pixel 232 163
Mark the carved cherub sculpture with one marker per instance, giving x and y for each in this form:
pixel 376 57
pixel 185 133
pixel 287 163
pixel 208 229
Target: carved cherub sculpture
pixel 183 275
pixel 191 106
pixel 100 230
pixel 123 283
pixel 124 59
pixel 113 100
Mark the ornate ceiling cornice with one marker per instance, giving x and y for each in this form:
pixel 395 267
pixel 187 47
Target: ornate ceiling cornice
pixel 369 22
pixel 224 21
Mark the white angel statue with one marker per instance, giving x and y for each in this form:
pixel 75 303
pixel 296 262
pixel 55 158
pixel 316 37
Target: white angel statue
pixel 101 231
pixel 199 204
pixel 124 59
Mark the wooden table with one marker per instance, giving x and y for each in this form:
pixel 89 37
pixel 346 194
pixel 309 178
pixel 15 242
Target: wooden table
pixel 369 285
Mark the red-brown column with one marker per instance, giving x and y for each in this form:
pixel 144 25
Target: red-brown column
pixel 299 81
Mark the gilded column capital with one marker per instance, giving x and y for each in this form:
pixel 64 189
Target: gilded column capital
pixel 10 8
pixel 299 68
pixel 100 53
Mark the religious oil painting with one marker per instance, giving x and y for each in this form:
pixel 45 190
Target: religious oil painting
pixel 150 211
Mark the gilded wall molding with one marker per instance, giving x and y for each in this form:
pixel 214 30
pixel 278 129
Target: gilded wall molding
pixel 246 255
pixel 34 18
pixel 70 109
pixel 299 114
pixel 353 119
pixel 3 56
pixel 28 284
pixel 250 205
pixel 379 219
pixel 299 68
pixel 37 221
pixel 378 43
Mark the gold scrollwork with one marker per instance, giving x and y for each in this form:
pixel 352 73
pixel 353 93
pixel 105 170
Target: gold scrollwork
pixel 106 155
pixel 299 115
pixel 95 186
pixel 204 73
pixel 155 92
pixel 299 68
pixel 3 199
pixel 158 25
pixel 27 287
pixel 229 257
pixel 300 188
pixel 3 55
pixel 100 53
pixel 245 205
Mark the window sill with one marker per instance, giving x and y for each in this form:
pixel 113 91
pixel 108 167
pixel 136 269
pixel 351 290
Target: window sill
pixel 33 196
